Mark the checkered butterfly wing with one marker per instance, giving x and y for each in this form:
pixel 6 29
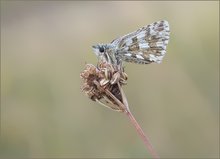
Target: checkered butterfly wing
pixel 144 46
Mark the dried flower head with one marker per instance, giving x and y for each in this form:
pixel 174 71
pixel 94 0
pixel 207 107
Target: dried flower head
pixel 102 84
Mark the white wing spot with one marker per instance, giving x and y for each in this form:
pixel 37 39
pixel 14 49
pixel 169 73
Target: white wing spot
pixel 143 46
pixel 152 57
pixel 166 37
pixel 160 44
pixel 141 35
pixel 140 53
pixel 166 24
pixel 129 42
pixel 156 59
pixel 163 52
pixel 159 59
pixel 128 54
pixel 139 57
pixel 164 47
pixel 166 42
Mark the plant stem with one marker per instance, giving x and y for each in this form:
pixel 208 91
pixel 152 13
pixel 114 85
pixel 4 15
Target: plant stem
pixel 142 135
pixel 137 126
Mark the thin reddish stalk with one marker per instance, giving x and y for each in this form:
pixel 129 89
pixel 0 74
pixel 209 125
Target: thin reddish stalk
pixel 142 135
pixel 137 126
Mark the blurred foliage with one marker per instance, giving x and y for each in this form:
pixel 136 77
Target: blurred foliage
pixel 44 47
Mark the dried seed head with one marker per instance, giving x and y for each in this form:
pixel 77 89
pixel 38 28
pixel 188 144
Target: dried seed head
pixel 102 84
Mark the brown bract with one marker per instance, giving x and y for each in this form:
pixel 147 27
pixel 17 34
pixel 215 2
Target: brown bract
pixel 102 84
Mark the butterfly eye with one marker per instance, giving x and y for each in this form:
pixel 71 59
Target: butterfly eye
pixel 101 49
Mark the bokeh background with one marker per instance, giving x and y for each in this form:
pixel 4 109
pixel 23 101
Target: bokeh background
pixel 45 46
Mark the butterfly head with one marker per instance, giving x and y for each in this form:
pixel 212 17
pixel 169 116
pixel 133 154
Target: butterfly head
pixel 105 52
pixel 99 49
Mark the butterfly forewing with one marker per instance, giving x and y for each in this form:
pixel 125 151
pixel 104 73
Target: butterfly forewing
pixel 146 45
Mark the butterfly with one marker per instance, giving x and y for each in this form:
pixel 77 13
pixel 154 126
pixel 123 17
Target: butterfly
pixel 143 46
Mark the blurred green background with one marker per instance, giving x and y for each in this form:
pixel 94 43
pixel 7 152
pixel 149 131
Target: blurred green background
pixel 44 47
